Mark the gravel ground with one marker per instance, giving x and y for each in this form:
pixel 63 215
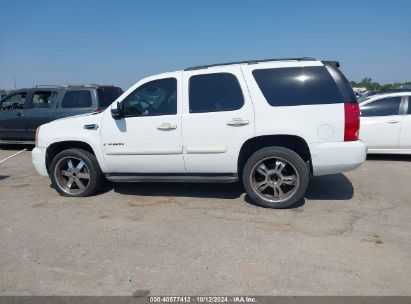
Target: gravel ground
pixel 351 236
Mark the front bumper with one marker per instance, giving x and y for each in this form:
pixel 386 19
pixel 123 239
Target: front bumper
pixel 38 156
pixel 337 157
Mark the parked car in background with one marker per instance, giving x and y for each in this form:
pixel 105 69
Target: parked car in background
pixel 24 110
pixel 386 122
pixel 270 123
pixel 363 96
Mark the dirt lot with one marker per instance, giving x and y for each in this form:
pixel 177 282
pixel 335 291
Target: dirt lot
pixel 351 236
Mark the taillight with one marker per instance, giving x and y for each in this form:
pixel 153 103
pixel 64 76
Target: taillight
pixel 352 121
pixel 98 110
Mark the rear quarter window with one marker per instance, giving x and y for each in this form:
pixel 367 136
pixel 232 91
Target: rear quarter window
pixel 77 99
pixel 297 86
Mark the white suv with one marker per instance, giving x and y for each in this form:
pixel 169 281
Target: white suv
pixel 270 123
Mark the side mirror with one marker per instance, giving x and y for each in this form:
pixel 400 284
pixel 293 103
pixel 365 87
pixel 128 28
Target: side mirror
pixel 118 113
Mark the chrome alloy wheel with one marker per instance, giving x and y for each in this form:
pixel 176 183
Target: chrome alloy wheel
pixel 275 179
pixel 72 175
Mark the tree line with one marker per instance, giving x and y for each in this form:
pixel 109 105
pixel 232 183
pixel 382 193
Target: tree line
pixel 372 85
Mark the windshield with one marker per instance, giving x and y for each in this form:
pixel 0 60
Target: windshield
pixel 106 95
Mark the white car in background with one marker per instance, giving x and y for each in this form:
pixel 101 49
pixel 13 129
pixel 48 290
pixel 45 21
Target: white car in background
pixel 386 122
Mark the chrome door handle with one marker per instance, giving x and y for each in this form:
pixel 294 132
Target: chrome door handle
pixel 167 126
pixel 236 122
pixel 393 121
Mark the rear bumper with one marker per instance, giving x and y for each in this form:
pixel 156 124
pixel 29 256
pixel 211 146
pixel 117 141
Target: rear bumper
pixel 337 157
pixel 38 156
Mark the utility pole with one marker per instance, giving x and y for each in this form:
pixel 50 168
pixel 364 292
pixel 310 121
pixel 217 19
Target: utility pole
pixel 15 83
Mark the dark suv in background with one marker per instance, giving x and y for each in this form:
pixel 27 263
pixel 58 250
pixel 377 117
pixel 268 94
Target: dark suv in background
pixel 24 110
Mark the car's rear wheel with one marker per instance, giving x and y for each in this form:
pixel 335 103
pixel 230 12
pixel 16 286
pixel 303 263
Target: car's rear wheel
pixel 275 177
pixel 76 173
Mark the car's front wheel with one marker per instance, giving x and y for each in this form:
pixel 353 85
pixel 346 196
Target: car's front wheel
pixel 275 177
pixel 76 173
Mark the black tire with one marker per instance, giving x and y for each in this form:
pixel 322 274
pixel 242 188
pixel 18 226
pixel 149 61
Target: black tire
pixel 295 163
pixel 96 178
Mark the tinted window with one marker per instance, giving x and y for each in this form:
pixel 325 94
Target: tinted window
pixel 214 93
pixel 14 102
pixel 342 83
pixel 297 86
pixel 43 99
pixel 382 107
pixel 106 95
pixel 158 97
pixel 409 105
pixel 77 99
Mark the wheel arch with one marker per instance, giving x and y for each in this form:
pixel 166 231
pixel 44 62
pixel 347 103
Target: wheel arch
pixel 56 147
pixel 292 142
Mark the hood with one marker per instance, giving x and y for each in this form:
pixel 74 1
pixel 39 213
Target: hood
pixel 80 115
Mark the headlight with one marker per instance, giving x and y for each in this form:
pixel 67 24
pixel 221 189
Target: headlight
pixel 36 140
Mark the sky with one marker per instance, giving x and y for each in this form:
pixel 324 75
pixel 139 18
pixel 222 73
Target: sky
pixel 119 42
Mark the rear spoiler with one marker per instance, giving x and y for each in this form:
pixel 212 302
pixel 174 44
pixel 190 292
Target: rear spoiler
pixel 335 63
pixel 342 83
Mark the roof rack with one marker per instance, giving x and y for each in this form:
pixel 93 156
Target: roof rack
pixel 248 62
pixel 86 85
pixel 47 85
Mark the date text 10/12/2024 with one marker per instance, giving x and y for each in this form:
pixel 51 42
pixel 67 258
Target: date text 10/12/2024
pixel 202 299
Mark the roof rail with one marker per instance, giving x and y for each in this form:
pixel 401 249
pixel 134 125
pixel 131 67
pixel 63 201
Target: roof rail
pixel 47 85
pixel 86 85
pixel 248 62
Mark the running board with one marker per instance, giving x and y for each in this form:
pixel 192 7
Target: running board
pixel 16 142
pixel 176 178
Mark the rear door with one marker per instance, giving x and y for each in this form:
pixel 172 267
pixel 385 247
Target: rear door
pixel 11 117
pixel 218 117
pixel 405 134
pixel 381 123
pixel 40 109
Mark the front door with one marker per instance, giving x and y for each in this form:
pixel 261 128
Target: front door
pixel 381 123
pixel 12 125
pixel 148 139
pixel 218 118
pixel 40 109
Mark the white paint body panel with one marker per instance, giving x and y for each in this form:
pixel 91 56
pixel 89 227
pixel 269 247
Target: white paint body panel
pixel 72 129
pixel 379 132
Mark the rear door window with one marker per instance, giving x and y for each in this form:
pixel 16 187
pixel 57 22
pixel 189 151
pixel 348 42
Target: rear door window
pixel 77 99
pixel 297 86
pixel 43 99
pixel 214 93
pixel 382 107
pixel 106 95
